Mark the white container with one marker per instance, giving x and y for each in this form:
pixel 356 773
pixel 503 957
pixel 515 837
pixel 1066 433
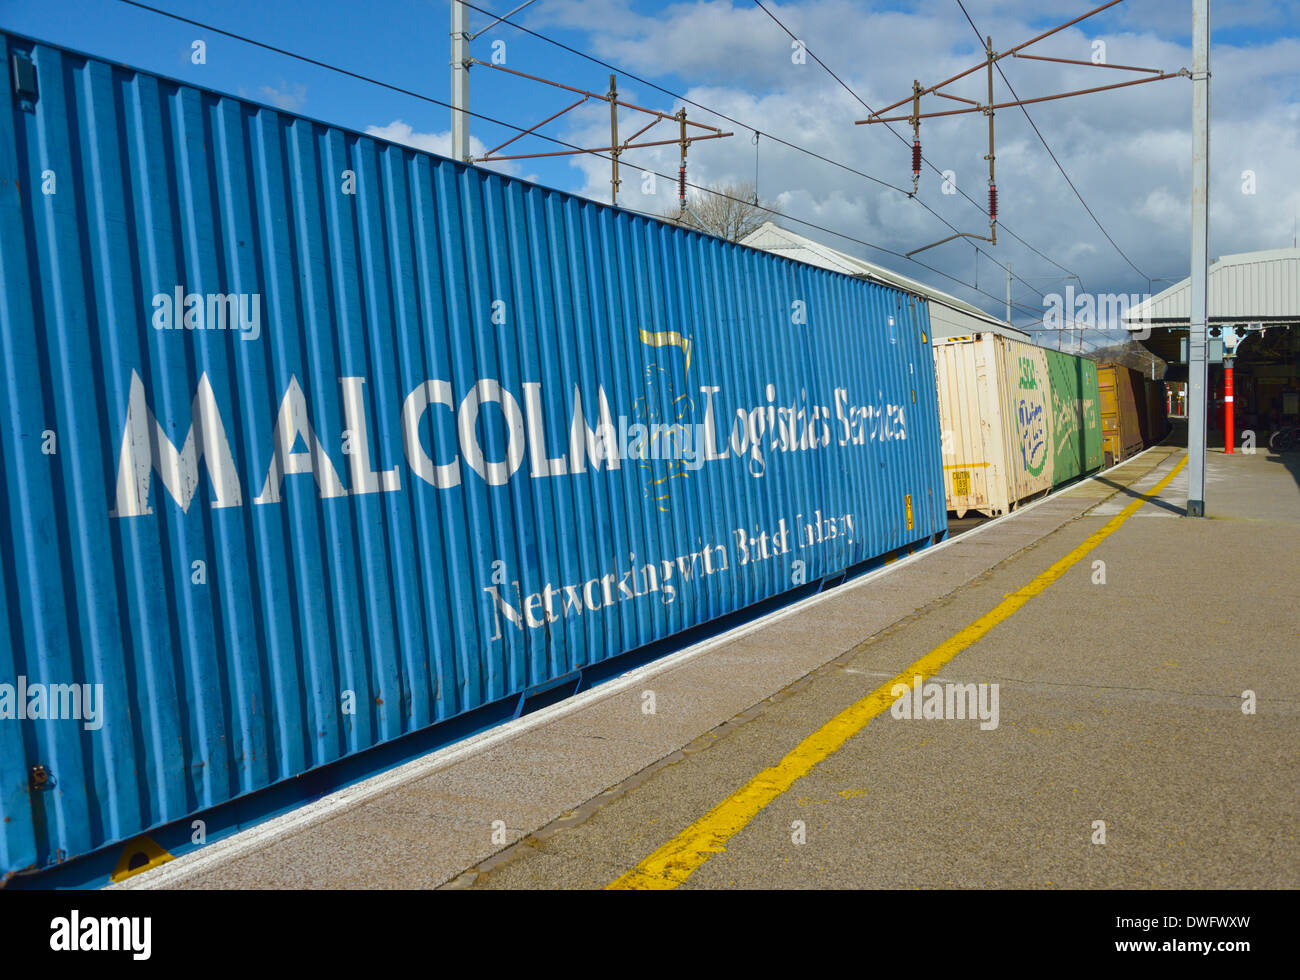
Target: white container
pixel 994 418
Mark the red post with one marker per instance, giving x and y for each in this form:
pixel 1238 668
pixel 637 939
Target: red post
pixel 1227 405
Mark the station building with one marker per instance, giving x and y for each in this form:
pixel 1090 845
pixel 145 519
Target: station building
pixel 1254 318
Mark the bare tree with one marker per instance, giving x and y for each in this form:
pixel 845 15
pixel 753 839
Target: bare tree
pixel 730 211
pixel 1129 353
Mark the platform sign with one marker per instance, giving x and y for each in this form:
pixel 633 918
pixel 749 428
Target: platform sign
pixel 1214 350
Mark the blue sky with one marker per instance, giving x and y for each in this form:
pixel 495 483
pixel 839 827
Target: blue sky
pixel 401 42
pixel 1126 151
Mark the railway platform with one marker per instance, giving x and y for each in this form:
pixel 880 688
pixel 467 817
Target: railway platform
pixel 1129 693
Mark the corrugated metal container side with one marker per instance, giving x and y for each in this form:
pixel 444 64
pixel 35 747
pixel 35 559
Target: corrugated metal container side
pixel 1123 404
pixel 1076 417
pixel 974 433
pixel 1024 372
pixel 400 479
pixel 994 403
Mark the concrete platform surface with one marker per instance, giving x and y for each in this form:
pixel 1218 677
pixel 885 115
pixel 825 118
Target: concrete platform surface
pixel 1120 685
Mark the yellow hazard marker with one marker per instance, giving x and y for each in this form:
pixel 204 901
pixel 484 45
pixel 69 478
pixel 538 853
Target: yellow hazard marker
pixel 676 860
pixel 139 855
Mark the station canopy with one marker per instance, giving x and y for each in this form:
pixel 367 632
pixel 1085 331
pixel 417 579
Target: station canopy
pixel 1256 289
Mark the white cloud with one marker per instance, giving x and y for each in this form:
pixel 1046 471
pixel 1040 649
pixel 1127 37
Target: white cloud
pixel 290 98
pixel 1128 151
pixel 398 131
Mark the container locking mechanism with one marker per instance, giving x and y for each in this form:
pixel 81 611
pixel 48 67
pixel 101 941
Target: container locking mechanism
pixel 24 79
pixel 42 778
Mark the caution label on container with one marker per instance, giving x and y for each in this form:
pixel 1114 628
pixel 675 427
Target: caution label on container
pixel 907 502
pixel 961 483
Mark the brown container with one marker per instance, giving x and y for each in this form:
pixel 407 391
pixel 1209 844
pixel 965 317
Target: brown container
pixel 1123 411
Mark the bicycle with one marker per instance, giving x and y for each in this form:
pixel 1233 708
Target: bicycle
pixel 1285 439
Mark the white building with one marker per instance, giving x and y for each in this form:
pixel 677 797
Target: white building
pixel 949 316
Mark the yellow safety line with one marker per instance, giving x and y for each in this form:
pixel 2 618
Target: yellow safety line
pixel 676 860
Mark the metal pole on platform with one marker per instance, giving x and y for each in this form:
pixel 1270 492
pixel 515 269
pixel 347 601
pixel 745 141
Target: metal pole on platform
pixel 613 141
pixel 1197 406
pixel 1009 298
pixel 459 81
pixel 460 62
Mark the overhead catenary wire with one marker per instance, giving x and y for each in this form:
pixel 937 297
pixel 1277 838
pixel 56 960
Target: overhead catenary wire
pixel 813 153
pixel 915 150
pixel 771 136
pixel 508 125
pixel 1007 82
pixel 686 101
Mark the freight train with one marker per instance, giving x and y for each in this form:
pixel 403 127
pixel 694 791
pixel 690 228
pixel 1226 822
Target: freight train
pixel 406 486
pixel 1019 421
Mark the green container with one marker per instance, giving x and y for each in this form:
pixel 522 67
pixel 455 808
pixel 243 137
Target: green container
pixel 1076 417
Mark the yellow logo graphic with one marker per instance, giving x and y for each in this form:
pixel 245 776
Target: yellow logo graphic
pixel 667 425
pixel 668 338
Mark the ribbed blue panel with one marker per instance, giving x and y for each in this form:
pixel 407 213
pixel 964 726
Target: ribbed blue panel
pixel 420 556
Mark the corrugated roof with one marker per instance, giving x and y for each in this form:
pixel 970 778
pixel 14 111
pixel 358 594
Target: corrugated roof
pixel 1246 288
pixel 773 238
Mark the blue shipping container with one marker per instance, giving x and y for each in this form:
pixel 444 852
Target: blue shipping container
pixel 311 440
